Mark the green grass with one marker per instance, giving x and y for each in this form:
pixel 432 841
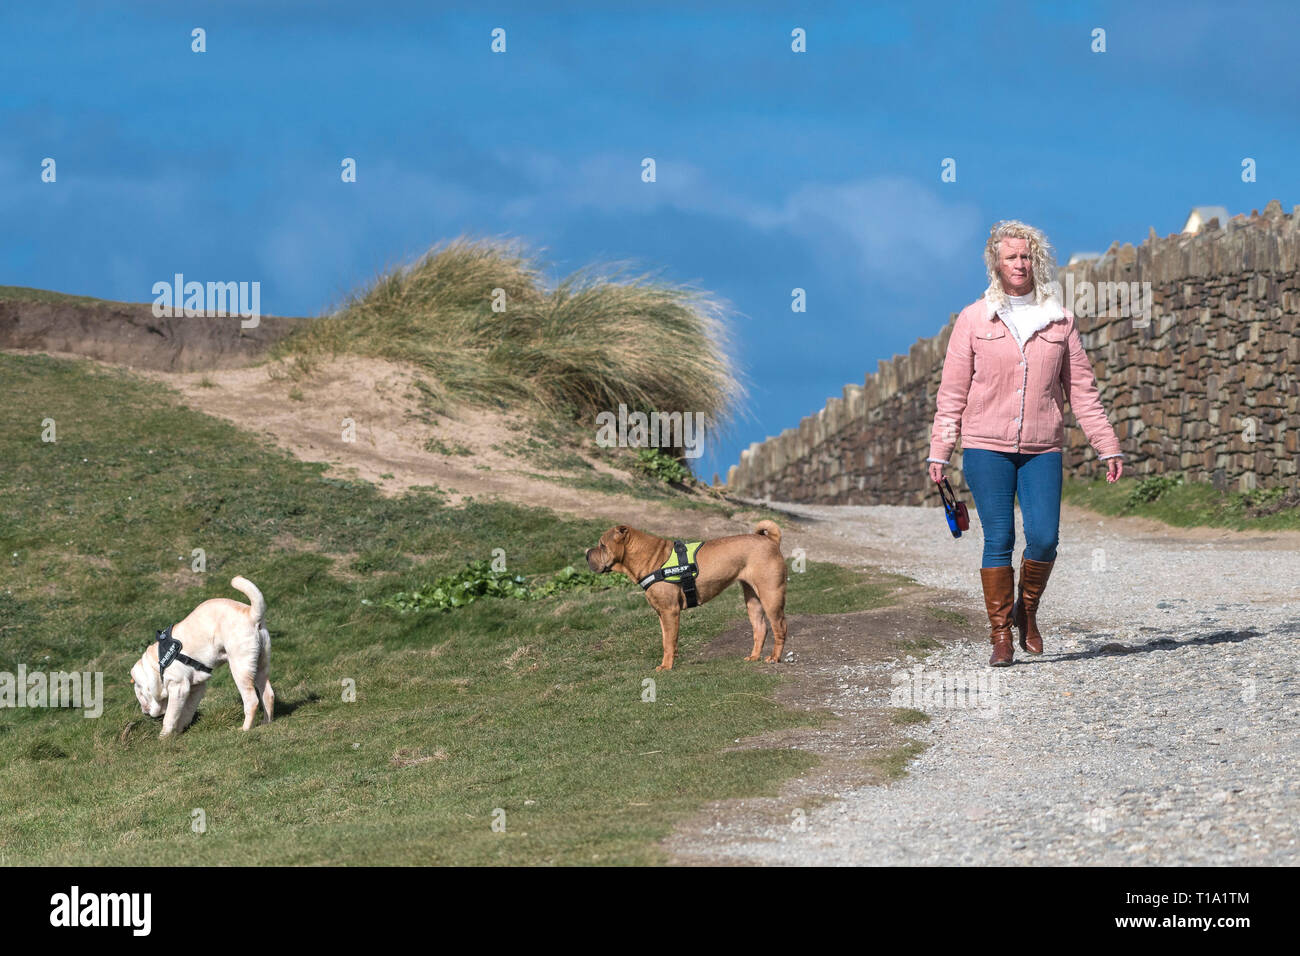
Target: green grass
pixel 919 644
pixel 552 444
pixel 531 707
pixel 892 764
pixel 437 446
pixel 1188 504
pixel 18 293
pixel 831 589
pixel 947 616
pixel 643 487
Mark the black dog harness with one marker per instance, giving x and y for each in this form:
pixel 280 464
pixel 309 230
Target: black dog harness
pixel 169 649
pixel 679 569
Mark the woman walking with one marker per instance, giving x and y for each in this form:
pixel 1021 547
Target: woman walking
pixel 1013 359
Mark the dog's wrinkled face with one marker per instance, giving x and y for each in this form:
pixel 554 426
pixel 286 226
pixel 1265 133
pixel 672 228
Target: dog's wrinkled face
pixel 149 689
pixel 609 551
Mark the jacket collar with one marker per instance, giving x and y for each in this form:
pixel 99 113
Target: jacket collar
pixel 1034 318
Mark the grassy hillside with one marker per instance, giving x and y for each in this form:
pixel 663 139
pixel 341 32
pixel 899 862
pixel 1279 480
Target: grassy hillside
pixel 531 707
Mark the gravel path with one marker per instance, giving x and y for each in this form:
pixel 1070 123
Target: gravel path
pixel 1161 726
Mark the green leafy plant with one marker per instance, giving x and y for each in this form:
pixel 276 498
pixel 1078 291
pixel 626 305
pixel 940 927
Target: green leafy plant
pixel 573 579
pixel 477 579
pixel 1152 487
pixel 657 463
pixel 1261 498
pixel 1262 501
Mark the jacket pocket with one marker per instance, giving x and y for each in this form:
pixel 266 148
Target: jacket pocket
pixel 976 423
pixel 987 343
pixel 1052 348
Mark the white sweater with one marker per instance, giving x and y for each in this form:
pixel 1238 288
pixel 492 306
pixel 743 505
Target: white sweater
pixel 1022 318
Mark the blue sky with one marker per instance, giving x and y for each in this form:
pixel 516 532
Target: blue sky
pixel 776 170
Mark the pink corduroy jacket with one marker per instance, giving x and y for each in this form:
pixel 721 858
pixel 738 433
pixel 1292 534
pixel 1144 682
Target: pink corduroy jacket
pixel 996 397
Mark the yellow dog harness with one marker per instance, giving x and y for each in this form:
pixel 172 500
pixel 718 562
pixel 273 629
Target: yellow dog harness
pixel 679 569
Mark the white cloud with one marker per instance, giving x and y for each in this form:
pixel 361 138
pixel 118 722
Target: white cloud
pixel 895 230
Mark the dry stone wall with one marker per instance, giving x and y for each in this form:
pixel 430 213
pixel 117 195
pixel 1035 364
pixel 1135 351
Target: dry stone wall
pixel 1205 383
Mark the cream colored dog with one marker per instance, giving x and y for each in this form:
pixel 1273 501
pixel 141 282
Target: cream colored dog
pixel 217 630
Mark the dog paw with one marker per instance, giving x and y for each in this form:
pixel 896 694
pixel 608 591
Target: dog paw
pixel 771 659
pixel 752 657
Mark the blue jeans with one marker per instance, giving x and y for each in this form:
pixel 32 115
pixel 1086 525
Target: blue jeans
pixel 996 478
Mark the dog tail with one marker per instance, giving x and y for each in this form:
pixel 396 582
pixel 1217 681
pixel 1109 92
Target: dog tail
pixel 769 529
pixel 254 597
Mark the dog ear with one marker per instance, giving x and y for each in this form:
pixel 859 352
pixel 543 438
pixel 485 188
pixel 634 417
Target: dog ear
pixel 620 531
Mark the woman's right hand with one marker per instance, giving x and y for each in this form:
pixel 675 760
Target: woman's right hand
pixel 936 471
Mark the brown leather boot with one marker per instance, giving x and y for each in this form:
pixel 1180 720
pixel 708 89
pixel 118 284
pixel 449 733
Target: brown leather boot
pixel 999 590
pixel 1033 578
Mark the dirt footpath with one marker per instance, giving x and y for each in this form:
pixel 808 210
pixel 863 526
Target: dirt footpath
pixel 1161 726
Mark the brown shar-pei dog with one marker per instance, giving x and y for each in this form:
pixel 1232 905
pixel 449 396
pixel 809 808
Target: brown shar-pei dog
pixel 752 559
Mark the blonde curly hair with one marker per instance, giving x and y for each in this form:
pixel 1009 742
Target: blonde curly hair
pixel 1040 254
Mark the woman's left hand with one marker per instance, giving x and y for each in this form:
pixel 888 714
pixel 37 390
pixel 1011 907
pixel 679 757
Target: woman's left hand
pixel 1114 468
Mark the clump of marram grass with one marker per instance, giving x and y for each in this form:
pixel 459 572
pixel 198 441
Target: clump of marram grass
pixel 598 339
